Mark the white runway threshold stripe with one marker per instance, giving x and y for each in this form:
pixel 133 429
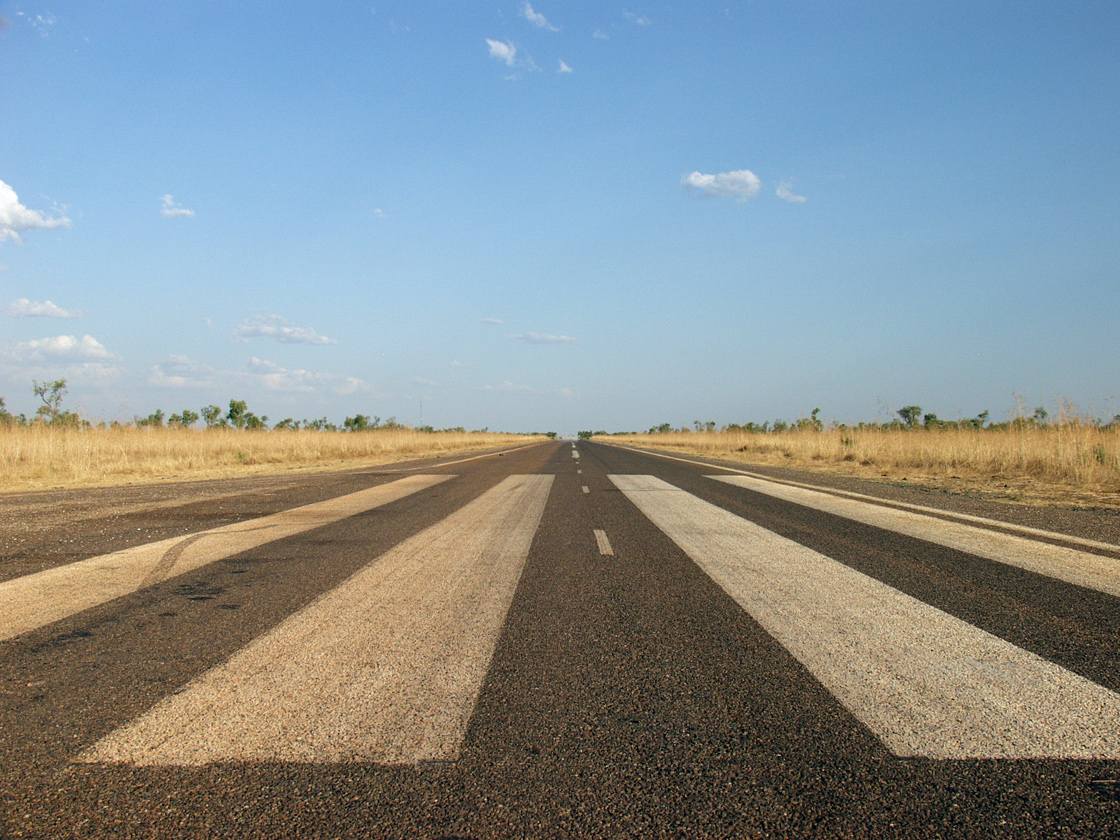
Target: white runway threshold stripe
pixel 924 682
pixel 384 668
pixel 33 601
pixel 1091 571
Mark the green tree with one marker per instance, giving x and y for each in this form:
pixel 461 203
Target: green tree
pixel 236 414
pixel 153 420
pixel 187 418
pixel 910 415
pixel 51 394
pixel 212 416
pixel 357 423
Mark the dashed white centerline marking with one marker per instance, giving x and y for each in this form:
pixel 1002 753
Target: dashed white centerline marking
pixel 604 543
pixel 575 453
pixel 586 489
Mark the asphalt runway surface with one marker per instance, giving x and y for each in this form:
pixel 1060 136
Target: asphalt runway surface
pixel 562 640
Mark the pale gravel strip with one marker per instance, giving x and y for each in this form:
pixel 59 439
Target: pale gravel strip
pixel 924 682
pixel 384 668
pixel 604 544
pixel 1054 561
pixel 32 601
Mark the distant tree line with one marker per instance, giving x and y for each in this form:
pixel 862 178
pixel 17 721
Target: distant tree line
pixel 237 416
pixel 909 418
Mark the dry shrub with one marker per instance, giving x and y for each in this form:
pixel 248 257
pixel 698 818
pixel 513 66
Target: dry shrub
pixel 1076 462
pixel 38 455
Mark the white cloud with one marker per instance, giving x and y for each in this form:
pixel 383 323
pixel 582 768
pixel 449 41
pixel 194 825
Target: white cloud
pixel 506 52
pixel 84 360
pixel 535 18
pixel 564 68
pixel 785 192
pixel 377 214
pixel 492 321
pixel 600 34
pixel 542 338
pixel 15 218
pixel 509 388
pixel 740 184
pixel 171 210
pixel 181 372
pixel 43 24
pixel 63 347
pixel 427 382
pixel 24 308
pixel 275 378
pixel 274 326
pixel 641 20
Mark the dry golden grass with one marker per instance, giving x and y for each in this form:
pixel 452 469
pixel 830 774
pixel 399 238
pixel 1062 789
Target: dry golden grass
pixel 1076 464
pixel 39 456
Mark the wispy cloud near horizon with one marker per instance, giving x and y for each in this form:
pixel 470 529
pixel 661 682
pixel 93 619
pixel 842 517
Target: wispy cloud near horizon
pixel 278 328
pixel 542 338
pixel 24 308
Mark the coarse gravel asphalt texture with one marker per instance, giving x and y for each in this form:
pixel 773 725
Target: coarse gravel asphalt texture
pixel 628 695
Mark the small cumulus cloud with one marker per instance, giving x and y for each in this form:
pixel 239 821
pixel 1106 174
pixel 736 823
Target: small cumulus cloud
pixel 503 51
pixel 16 219
pixel 272 377
pixel 785 193
pixel 740 184
pixel 65 347
pixel 78 360
pixel 181 372
pixel 536 18
pixel 641 20
pixel 24 308
pixel 170 210
pixel 278 328
pixel 564 68
pixel 492 321
pixel 542 338
pixel 600 34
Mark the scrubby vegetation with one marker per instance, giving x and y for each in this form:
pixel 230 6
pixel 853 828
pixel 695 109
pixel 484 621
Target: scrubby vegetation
pixel 1032 456
pixel 59 448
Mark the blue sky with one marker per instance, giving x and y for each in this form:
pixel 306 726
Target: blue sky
pixel 561 215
